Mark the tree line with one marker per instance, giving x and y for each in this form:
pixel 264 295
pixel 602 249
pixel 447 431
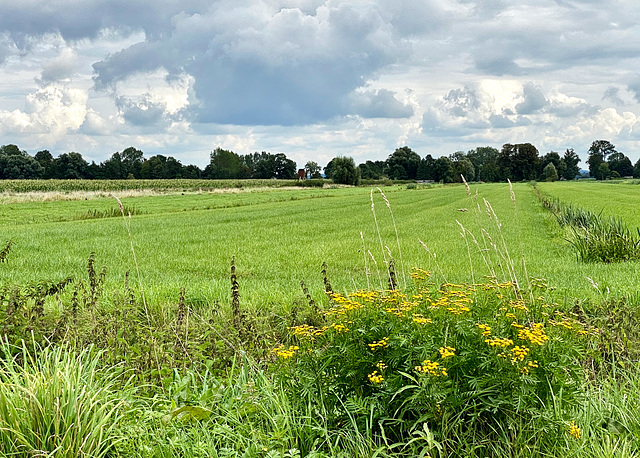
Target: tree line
pixel 515 162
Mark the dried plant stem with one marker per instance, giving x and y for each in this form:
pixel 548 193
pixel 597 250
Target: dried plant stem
pixel 404 278
pixel 375 219
pixel 366 266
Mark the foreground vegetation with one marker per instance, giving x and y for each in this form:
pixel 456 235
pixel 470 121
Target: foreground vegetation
pixel 186 347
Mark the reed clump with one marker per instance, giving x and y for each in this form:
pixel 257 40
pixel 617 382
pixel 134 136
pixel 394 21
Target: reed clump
pixel 594 237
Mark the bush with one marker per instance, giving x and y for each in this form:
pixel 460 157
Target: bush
pixel 458 361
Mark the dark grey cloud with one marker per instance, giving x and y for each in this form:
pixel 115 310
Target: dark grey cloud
pixel 534 100
pixel 378 104
pixel 281 66
pixel 78 19
pixel 612 94
pixel 142 113
pixel 503 122
pixel 460 102
pixel 634 88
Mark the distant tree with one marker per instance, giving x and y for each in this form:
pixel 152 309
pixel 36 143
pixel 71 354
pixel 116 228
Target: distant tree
pixel 45 159
pixel 226 164
pixel 549 173
pixel 17 164
pixel 518 162
pixel 191 171
pixel 484 159
pixel 571 161
pixel 328 169
pixel 372 170
pixel 636 169
pixel 285 168
pixel 462 167
pixel 620 163
pixel 552 158
pixel 426 169
pixel 112 168
pixel 603 171
pixel 598 152
pixel 312 169
pixel 444 171
pixel 132 160
pixel 403 164
pixel 71 166
pixel 344 171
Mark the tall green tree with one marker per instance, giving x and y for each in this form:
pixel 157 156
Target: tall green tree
pixel 444 171
pixel 344 171
pixel 226 164
pixel 598 152
pixel 549 173
pixel 485 161
pixel 18 164
pixel 571 161
pixel 71 166
pixel 620 163
pixel 372 170
pixel 403 164
pixel 132 159
pixel 426 169
pixel 312 169
pixel 45 159
pixel 519 162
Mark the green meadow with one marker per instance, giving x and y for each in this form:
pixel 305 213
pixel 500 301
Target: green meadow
pixel 198 338
pixel 280 237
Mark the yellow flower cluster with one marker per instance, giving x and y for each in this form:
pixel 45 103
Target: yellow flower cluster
pixel 495 285
pixel 525 369
pixel 281 351
pixel 432 368
pixel 367 296
pixel 535 334
pixel 446 352
pixel 574 430
pixel 498 342
pixel 455 301
pixel 485 328
pixel 379 344
pixel 304 331
pixel 419 274
pixel 418 318
pixel 381 365
pixel 376 378
pixel 518 353
pixel 401 309
pixel 344 305
pixel 520 304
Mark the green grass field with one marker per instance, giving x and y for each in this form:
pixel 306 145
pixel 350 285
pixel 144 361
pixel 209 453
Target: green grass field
pixel 205 376
pixel 280 237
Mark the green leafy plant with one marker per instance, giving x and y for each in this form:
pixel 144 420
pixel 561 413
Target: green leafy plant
pixel 481 356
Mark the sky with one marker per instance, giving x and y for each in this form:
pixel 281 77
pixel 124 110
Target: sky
pixel 315 79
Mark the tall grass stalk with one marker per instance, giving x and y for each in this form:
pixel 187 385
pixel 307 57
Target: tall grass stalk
pixel 395 228
pixel 375 219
